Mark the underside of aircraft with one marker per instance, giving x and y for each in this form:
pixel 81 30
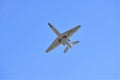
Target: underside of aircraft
pixel 63 38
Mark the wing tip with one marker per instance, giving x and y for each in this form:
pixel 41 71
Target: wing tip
pixel 79 26
pixel 46 51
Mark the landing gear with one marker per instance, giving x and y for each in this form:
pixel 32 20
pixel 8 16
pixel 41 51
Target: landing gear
pixel 60 40
pixel 64 37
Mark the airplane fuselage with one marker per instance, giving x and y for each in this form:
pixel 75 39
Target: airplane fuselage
pixel 61 37
pixel 64 40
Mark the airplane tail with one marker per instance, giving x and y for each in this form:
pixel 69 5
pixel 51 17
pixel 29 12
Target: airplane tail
pixel 72 43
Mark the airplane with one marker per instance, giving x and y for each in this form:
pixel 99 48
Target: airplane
pixel 63 38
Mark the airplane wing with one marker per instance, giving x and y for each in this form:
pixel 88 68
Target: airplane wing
pixel 71 31
pixel 53 45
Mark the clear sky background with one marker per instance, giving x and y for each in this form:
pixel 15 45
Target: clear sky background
pixel 25 35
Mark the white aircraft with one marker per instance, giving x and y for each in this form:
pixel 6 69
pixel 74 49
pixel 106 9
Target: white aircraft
pixel 63 38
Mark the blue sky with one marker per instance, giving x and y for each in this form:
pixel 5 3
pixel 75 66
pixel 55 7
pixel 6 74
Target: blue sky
pixel 25 36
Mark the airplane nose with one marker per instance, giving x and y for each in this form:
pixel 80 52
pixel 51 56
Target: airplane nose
pixel 50 25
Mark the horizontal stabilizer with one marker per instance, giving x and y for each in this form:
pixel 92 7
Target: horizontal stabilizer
pixel 66 49
pixel 73 43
